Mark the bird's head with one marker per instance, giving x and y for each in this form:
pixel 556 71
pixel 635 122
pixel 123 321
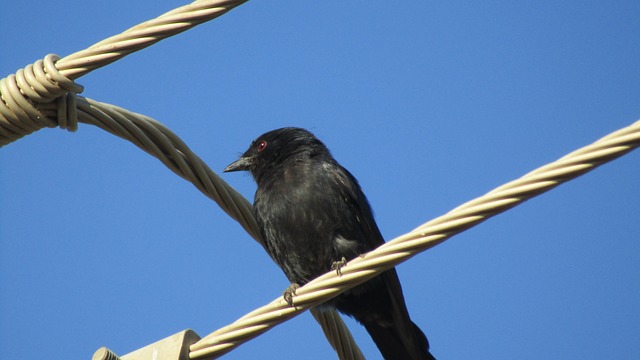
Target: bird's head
pixel 272 149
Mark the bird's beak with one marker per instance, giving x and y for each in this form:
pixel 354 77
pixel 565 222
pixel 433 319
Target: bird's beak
pixel 244 163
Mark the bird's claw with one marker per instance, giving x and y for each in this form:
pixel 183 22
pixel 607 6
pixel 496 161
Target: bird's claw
pixel 289 293
pixel 338 265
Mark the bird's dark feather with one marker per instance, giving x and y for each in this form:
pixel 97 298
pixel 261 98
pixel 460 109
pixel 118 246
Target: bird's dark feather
pixel 312 213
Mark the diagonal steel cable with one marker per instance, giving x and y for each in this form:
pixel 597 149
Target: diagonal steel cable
pixel 22 94
pixel 143 35
pixel 160 142
pixel 43 95
pixel 422 238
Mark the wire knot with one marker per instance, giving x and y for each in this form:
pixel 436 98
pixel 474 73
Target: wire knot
pixel 35 97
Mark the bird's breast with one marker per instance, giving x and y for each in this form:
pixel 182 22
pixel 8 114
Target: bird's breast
pixel 298 224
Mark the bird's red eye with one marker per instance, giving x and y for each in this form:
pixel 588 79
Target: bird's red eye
pixel 262 145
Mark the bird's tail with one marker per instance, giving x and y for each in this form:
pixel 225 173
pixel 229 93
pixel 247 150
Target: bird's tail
pixel 411 346
pixel 378 305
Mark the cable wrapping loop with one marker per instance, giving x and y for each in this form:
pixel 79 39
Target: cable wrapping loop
pixel 43 95
pixel 36 97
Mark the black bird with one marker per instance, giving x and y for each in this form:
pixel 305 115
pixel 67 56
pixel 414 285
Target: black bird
pixel 313 217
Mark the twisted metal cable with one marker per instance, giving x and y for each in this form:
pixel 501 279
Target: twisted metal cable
pixel 338 334
pixel 43 95
pixel 143 35
pixel 422 238
pixel 157 140
pixel 22 95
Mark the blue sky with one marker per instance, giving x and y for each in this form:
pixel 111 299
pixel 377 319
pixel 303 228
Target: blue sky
pixel 429 104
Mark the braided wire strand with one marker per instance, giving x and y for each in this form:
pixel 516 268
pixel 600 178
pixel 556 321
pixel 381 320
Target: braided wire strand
pixel 142 35
pixel 422 238
pixel 43 95
pixel 21 95
pixel 160 142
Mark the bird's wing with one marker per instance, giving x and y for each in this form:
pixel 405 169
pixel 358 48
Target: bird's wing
pixel 403 333
pixel 359 207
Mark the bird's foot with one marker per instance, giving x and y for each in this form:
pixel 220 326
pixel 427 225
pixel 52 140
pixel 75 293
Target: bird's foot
pixel 338 265
pixel 289 293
